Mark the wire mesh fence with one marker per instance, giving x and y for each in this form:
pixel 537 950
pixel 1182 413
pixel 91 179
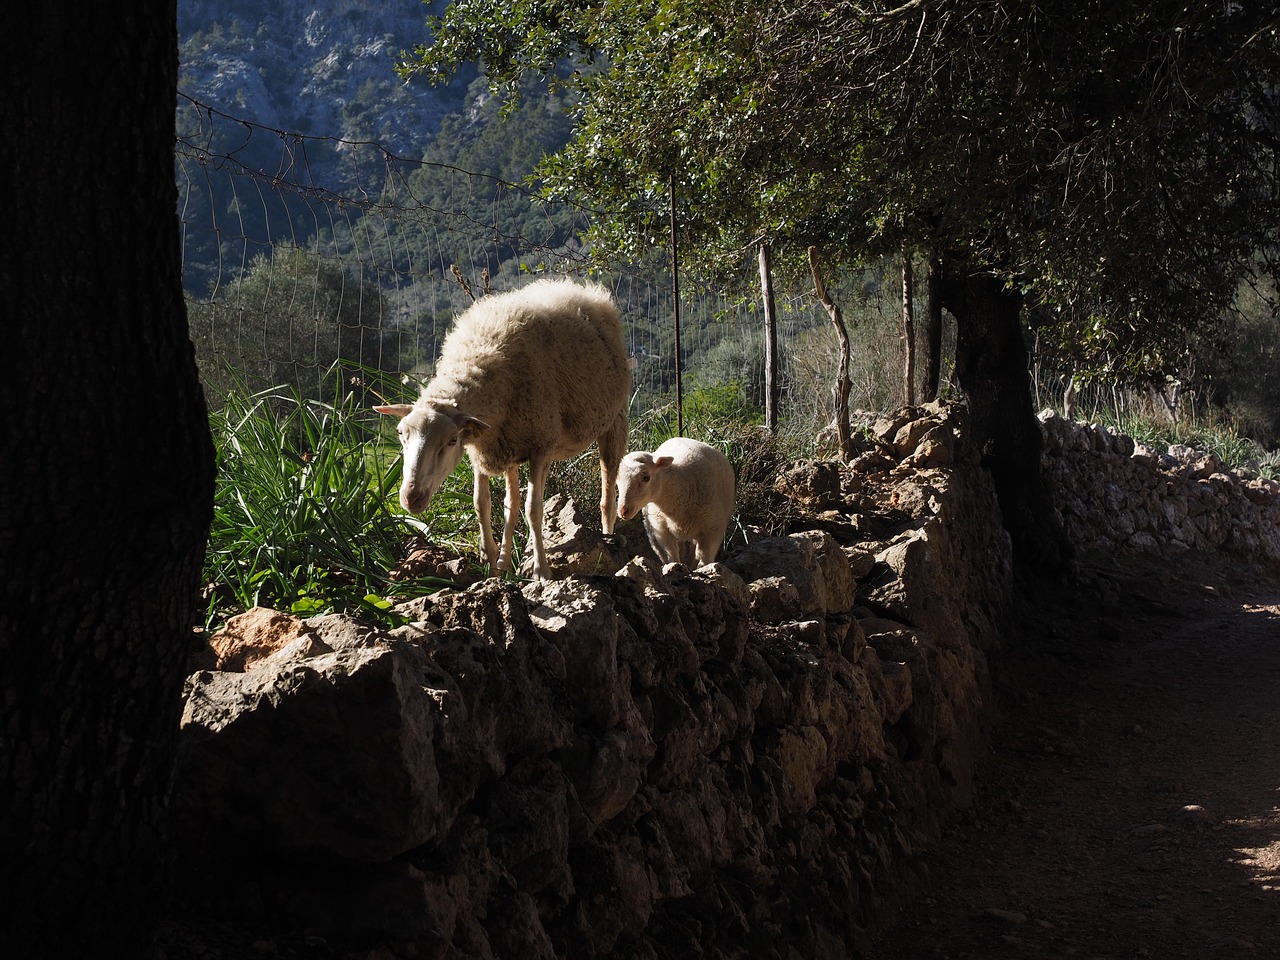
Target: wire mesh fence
pixel 303 252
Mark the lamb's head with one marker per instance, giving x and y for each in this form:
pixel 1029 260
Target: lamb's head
pixel 431 438
pixel 639 481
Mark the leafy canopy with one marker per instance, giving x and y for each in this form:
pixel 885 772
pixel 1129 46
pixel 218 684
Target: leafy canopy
pixel 1116 160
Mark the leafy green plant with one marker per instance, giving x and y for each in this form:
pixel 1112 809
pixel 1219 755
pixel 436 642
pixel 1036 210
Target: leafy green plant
pixel 1269 465
pixel 305 511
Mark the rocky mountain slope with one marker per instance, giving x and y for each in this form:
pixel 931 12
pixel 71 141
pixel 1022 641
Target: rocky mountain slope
pixel 320 67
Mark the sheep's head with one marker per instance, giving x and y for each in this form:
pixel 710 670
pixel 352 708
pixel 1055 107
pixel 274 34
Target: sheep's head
pixel 431 439
pixel 639 481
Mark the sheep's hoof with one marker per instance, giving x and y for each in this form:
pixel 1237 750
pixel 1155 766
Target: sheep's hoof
pixel 538 571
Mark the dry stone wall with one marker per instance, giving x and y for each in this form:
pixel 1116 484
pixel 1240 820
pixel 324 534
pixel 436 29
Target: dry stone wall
pixel 631 762
pixel 1114 493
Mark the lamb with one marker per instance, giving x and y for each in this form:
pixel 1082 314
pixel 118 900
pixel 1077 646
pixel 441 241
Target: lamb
pixel 532 375
pixel 686 490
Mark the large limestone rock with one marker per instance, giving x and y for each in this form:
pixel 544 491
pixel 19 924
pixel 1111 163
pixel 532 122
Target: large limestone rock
pixel 314 752
pixel 800 576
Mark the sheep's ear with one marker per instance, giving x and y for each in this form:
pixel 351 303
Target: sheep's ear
pixel 663 461
pixel 470 426
pixel 400 410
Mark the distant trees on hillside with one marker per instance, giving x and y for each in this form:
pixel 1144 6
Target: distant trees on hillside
pixel 288 321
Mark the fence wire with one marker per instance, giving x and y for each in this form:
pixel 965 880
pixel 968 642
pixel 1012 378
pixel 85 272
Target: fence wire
pixel 302 252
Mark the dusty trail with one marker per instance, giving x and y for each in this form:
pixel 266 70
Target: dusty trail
pixel 1131 805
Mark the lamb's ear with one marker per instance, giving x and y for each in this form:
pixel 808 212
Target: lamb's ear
pixel 662 461
pixel 400 410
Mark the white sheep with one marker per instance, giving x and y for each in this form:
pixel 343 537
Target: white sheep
pixel 686 490
pixel 532 375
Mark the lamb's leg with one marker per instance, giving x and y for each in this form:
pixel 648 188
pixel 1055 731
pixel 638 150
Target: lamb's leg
pixel 483 499
pixel 538 470
pixel 705 549
pixel 613 445
pixel 512 515
pixel 662 538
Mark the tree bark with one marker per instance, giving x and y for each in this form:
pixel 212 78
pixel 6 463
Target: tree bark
pixel 991 369
pixel 770 341
pixel 933 330
pixel 841 388
pixel 106 475
pixel 908 330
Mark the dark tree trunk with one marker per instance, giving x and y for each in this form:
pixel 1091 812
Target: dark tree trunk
pixel 991 369
pixel 908 330
pixel 933 330
pixel 106 475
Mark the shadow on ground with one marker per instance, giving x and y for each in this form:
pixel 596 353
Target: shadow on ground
pixel 1130 803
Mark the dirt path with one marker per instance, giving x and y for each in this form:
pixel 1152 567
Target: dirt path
pixel 1131 804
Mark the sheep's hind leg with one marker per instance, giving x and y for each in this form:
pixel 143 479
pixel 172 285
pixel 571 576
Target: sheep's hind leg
pixel 705 549
pixel 512 515
pixel 483 499
pixel 538 470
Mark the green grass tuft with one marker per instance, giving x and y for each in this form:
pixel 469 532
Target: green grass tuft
pixel 1219 438
pixel 306 518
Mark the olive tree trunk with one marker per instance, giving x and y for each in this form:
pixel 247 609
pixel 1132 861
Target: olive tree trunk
pixel 991 370
pixel 106 475
pixel 908 330
pixel 933 329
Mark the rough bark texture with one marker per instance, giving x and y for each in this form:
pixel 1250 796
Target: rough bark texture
pixel 106 471
pixel 991 368
pixel 908 331
pixel 933 332
pixel 840 389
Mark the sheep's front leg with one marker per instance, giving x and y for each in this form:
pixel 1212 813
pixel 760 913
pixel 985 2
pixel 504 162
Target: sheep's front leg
pixel 613 445
pixel 662 537
pixel 512 514
pixel 483 499
pixel 706 547
pixel 538 470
